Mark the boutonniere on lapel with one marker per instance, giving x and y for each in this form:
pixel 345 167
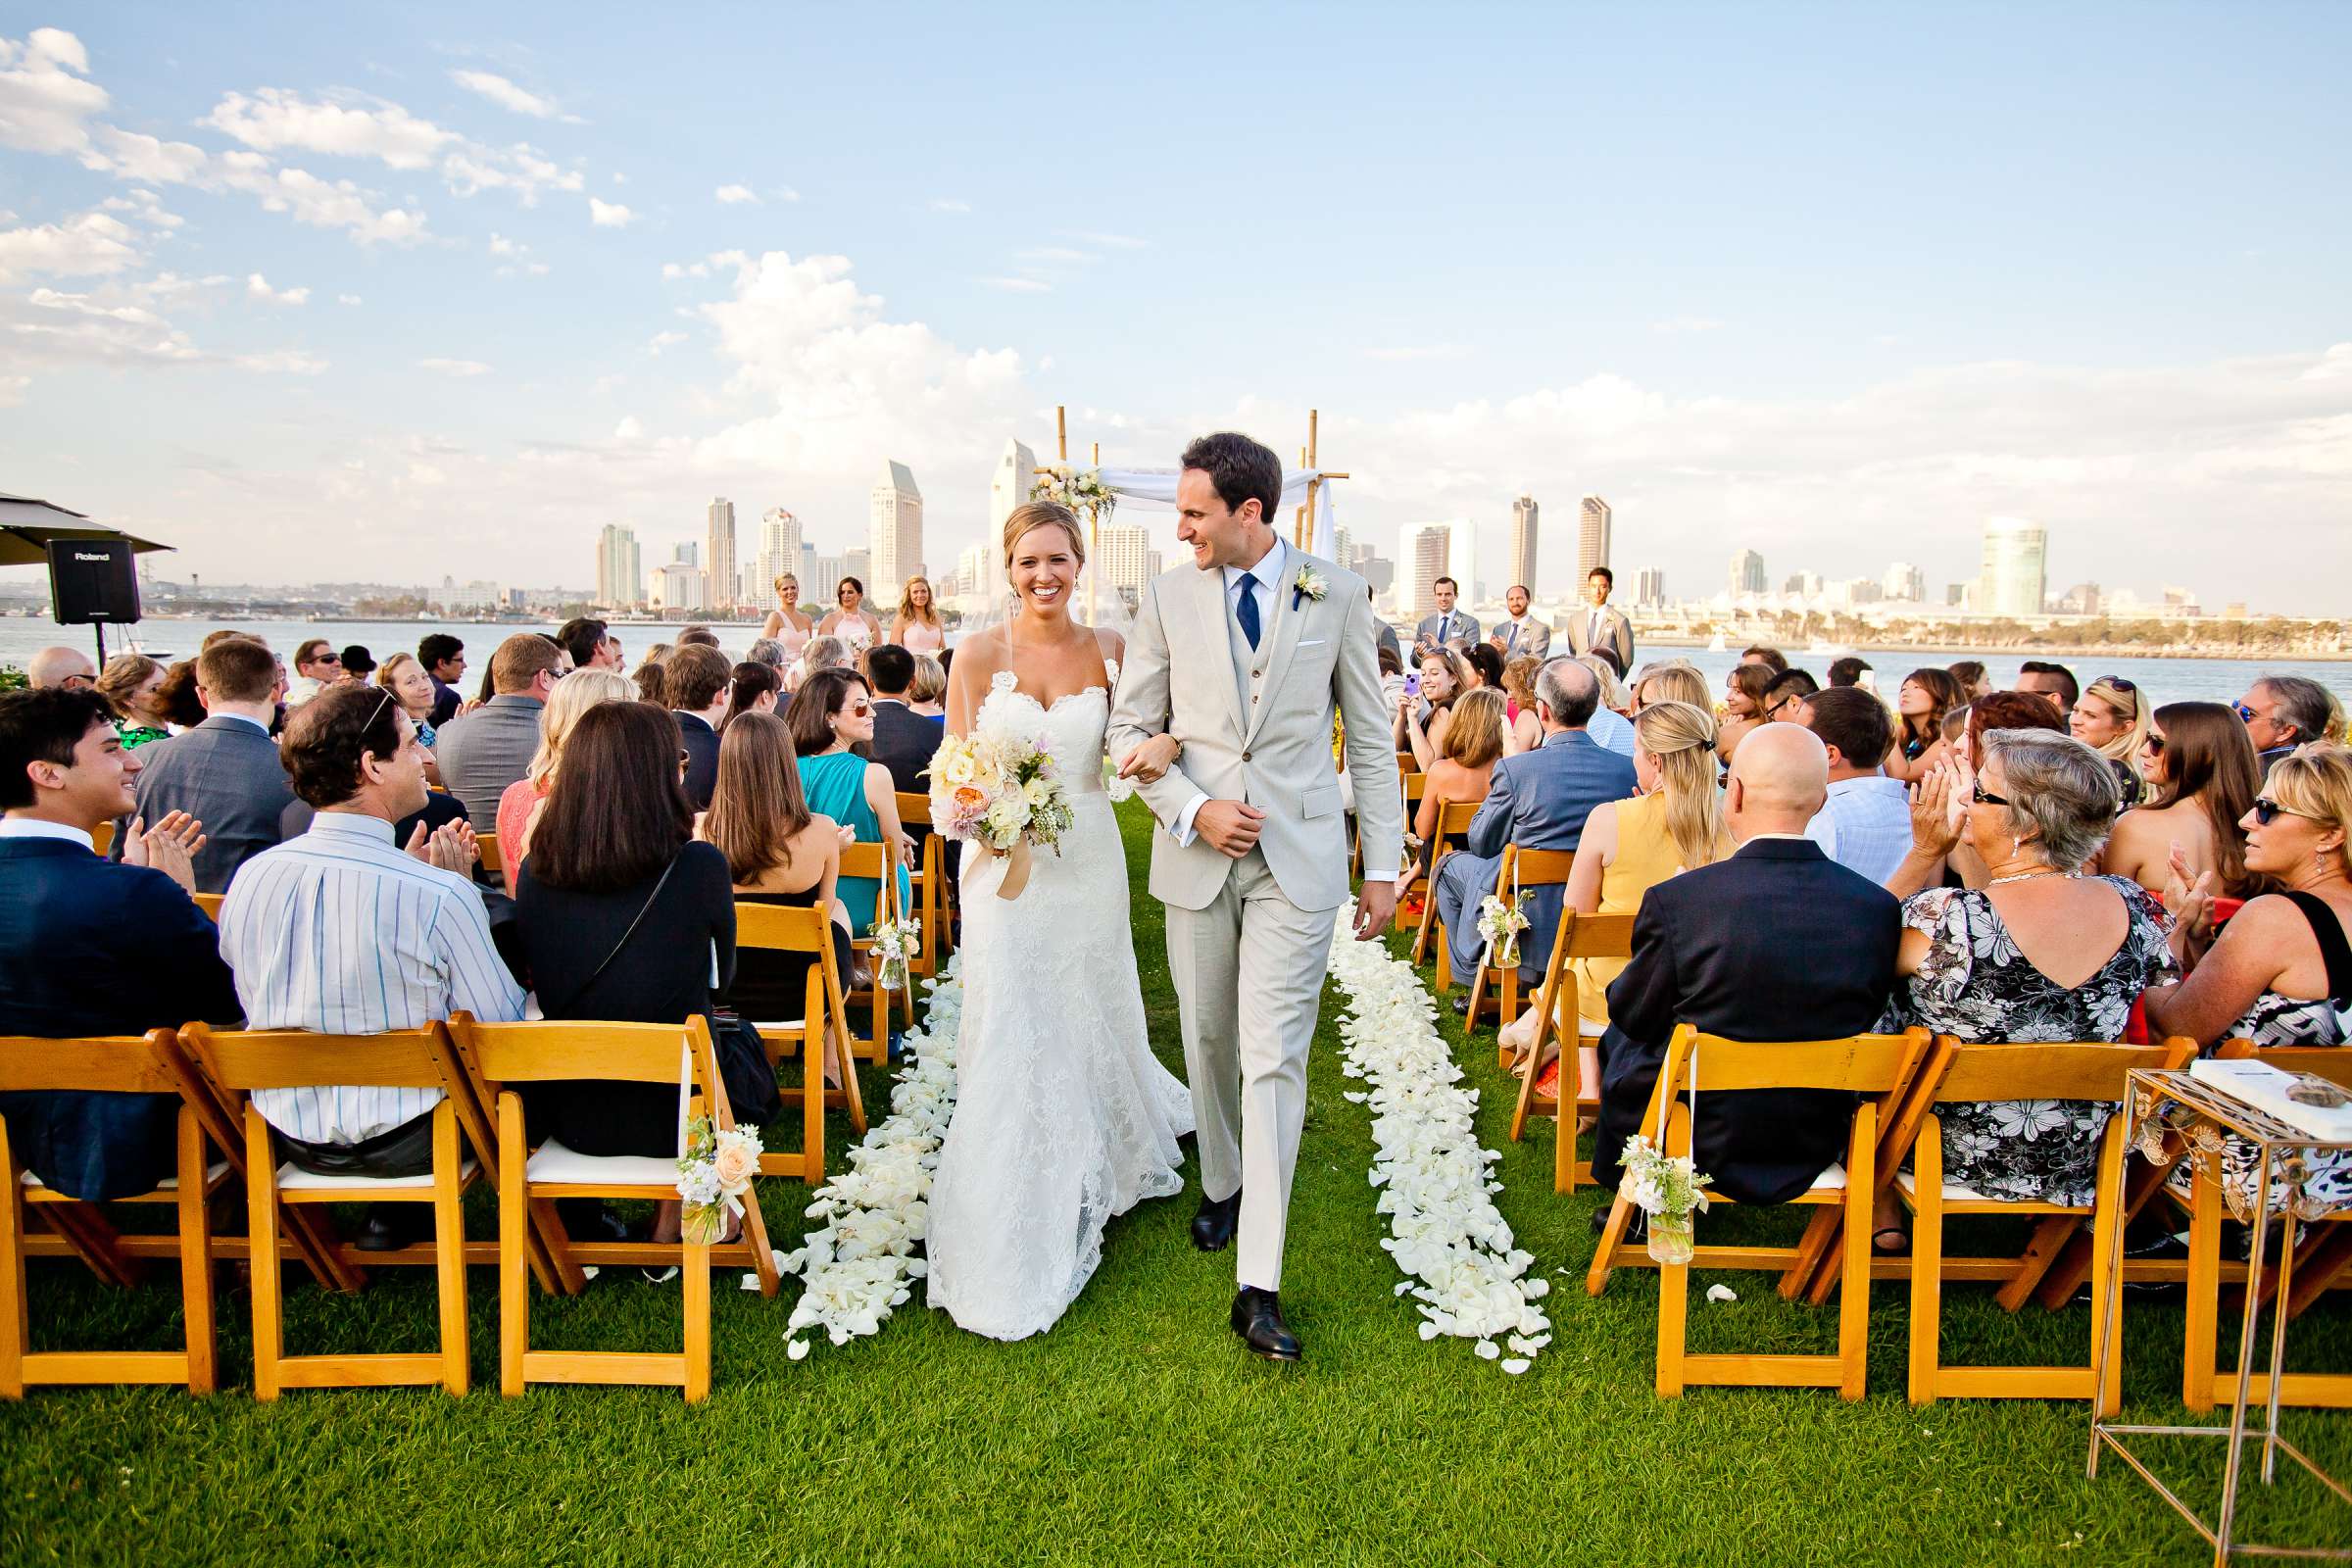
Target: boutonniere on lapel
pixel 1307 586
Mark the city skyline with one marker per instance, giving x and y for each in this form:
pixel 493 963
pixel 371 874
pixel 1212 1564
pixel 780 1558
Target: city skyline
pixel 493 285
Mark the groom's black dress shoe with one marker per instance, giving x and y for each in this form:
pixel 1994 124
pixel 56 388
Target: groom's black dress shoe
pixel 1257 1319
pixel 1212 1227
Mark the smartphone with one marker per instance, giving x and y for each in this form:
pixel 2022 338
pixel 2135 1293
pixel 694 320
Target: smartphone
pixel 1412 685
pixel 1869 681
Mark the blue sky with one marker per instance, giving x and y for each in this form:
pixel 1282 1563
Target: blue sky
pixel 1832 283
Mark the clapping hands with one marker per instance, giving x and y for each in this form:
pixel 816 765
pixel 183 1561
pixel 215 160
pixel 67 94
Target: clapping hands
pixel 169 846
pixel 2189 899
pixel 450 847
pixel 1939 804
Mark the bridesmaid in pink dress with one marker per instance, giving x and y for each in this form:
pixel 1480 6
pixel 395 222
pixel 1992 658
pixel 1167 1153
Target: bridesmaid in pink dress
pixel 918 628
pixel 785 623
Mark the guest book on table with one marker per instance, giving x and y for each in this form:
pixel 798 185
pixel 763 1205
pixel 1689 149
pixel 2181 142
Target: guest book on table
pixel 2302 1101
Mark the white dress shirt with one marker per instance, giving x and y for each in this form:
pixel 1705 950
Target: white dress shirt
pixel 1265 591
pixel 26 827
pixel 339 931
pixel 1865 825
pixel 1612 729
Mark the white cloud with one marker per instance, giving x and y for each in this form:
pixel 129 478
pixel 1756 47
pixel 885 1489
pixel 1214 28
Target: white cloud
pixel 132 155
pixel 12 390
pixel 500 245
pixel 45 93
pixel 664 340
pixel 274 119
pixel 87 245
pixel 784 193
pixel 736 195
pixel 950 203
pixel 1019 285
pixel 1680 325
pixel 258 287
pixel 347 299
pixel 504 93
pixel 144 206
pixel 282 362
pixel 609 215
pixel 629 430
pixel 459 367
pixel 318 203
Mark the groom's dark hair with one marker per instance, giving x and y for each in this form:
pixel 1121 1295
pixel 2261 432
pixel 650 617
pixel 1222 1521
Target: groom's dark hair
pixel 1240 468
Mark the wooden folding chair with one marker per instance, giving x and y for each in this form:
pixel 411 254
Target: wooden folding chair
pixel 503 1055
pixel 1521 870
pixel 1413 786
pixel 210 904
pixel 486 844
pixel 929 885
pixel 1561 1026
pixel 108 1066
pixel 2317 1268
pixel 102 839
pixel 790 928
pixel 239 1062
pixel 1453 825
pixel 1967 1074
pixel 869 860
pixel 1875 1066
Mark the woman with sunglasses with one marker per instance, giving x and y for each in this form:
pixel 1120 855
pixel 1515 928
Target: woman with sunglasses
pixel 2280 973
pixel 2111 717
pixel 832 711
pixel 2202 770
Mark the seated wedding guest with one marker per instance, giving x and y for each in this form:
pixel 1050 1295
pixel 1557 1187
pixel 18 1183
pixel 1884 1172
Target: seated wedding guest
pixel 1473 743
pixel 413 689
pixel 1776 943
pixel 2285 711
pixel 832 713
pixel 1743 691
pixel 74 928
pixel 1538 799
pixel 769 651
pixel 2004 711
pixel 2039 953
pixel 2203 777
pixel 752 688
pixel 358 663
pixel 1521 731
pixel 1609 727
pixel 1865 825
pixel 1925 696
pixel 1629 847
pixel 649 677
pixel 1760 653
pixel 483 751
pixel 702 635
pixel 858 628
pixel 927 692
pixel 696 684
pixel 1673 680
pixel 317 667
pixel 822 653
pixel 519 805
pixel 2055 684
pixel 903 740
pixel 344 931
pixel 1848 671
pixel 2280 973
pixel 133 685
pixel 778 851
pixel 60 670
pixel 918 627
pixel 225 773
pixel 625 917
pixel 1785 698
pixel 584 640
pixel 1974 679
pixel 444 659
pixel 177 697
pixel 1485 664
pixel 1421 720
pixel 2112 719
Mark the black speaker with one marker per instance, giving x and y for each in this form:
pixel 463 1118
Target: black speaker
pixel 92 582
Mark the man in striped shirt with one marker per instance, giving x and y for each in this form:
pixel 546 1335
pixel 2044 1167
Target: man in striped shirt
pixel 341 931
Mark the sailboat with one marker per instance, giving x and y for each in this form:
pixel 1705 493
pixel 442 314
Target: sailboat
pixel 1716 644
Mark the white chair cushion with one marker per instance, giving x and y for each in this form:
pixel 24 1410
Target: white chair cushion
pixel 783 1025
pixel 1590 1030
pixel 553 1163
pixel 293 1179
pixel 1832 1180
pixel 1953 1192
pixel 170 1184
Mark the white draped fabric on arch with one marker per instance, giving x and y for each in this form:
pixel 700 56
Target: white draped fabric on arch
pixel 1156 487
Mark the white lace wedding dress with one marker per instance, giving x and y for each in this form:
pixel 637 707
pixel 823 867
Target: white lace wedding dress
pixel 1064 1117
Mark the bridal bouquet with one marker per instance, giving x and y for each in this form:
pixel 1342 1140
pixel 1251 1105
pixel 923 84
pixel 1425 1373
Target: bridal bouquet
pixel 1670 1190
pixel 1500 922
pixel 713 1174
pixel 1003 790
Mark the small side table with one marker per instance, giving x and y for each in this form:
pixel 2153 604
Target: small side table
pixel 2164 1104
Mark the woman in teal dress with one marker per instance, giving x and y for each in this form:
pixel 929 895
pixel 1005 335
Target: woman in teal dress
pixel 832 711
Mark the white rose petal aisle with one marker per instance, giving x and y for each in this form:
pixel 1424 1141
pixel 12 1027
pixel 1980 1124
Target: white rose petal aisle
pixel 1445 1232
pixel 861 1266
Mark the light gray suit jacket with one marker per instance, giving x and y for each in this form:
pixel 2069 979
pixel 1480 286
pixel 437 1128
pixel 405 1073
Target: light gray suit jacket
pixel 1278 759
pixel 1464 633
pixel 487 750
pixel 1616 634
pixel 1534 642
pixel 227 774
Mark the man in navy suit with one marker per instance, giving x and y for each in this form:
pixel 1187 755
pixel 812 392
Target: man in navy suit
pixel 225 771
pixel 1538 799
pixel 696 682
pixel 1776 943
pixel 88 947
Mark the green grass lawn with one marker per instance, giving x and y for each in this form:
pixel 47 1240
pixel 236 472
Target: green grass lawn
pixel 1137 1430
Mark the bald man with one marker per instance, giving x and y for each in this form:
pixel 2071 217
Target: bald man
pixel 1776 943
pixel 60 669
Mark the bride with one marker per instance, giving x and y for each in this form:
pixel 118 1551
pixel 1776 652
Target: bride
pixel 1064 1117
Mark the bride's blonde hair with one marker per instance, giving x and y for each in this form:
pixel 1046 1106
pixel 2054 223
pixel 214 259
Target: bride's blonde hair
pixel 1042 514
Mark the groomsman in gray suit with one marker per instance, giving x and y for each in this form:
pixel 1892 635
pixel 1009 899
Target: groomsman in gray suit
pixel 1522 636
pixel 1598 625
pixel 1449 626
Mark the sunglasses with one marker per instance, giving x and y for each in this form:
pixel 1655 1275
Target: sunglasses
pixel 858 708
pixel 2154 743
pixel 2244 713
pixel 2116 681
pixel 2265 810
pixel 1979 794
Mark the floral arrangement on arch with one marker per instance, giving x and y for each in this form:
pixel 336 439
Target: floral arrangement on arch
pixel 1082 490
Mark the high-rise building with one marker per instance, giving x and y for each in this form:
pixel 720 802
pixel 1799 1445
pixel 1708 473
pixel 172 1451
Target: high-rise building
pixel 1425 552
pixel 1523 543
pixel 721 562
pixel 2082 599
pixel 680 586
pixel 1803 584
pixel 1650 591
pixel 1017 471
pixel 779 552
pixel 2014 573
pixel 1343 544
pixel 859 564
pixel 824 575
pixel 1124 555
pixel 1905 583
pixel 1592 537
pixel 1747 572
pixel 1377 569
pixel 619 568
pixel 686 555
pixel 894 533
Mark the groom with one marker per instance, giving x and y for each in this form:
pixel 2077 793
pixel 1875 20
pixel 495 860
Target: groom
pixel 1253 858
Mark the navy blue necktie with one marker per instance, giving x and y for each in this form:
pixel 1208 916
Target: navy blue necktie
pixel 1247 610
